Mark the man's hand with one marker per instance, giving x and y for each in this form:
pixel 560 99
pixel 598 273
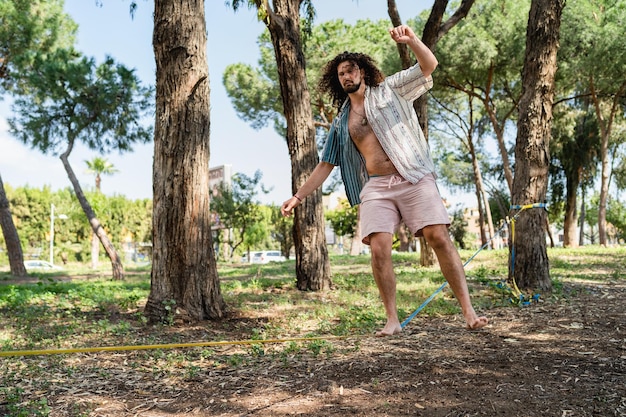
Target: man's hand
pixel 287 208
pixel 402 34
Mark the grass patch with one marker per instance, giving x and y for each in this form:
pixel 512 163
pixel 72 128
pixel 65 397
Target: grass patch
pixel 51 313
pixel 91 310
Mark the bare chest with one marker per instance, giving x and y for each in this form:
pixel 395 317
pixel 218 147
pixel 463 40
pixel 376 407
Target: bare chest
pixel 367 143
pixel 359 128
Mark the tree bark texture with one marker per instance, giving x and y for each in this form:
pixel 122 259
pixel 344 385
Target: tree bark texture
pixel 11 238
pixel 530 266
pixel 116 262
pixel 312 262
pixel 184 269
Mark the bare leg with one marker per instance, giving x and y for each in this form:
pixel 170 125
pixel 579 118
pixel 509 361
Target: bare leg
pixel 382 269
pixel 452 269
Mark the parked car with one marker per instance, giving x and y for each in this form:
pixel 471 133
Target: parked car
pixel 36 264
pixel 244 258
pixel 267 256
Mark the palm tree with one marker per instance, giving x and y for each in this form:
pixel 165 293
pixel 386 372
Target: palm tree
pixel 98 166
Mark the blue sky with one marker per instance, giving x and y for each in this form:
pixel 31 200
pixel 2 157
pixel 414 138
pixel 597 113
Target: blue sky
pixel 232 37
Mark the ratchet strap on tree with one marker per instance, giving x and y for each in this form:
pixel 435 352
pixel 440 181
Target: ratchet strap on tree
pixel 519 296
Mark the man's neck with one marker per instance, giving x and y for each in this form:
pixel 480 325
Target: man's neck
pixel 357 98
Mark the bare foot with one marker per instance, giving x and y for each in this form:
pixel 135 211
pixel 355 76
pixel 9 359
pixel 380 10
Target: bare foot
pixel 389 330
pixel 475 323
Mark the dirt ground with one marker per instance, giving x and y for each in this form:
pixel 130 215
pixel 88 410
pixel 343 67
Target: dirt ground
pixel 557 358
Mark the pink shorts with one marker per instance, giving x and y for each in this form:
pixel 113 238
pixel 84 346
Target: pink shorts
pixel 388 200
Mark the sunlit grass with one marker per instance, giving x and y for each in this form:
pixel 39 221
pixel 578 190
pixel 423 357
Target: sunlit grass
pixel 92 309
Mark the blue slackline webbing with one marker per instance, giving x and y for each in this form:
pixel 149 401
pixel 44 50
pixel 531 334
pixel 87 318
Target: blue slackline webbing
pixel 438 290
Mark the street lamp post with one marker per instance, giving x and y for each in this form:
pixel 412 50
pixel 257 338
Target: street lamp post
pixel 61 216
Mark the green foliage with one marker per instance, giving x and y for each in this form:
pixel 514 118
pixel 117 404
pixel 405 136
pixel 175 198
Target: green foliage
pixel 20 405
pixel 259 103
pixel 127 221
pixel 458 227
pixel 316 347
pixel 29 29
pixel 616 215
pixel 592 31
pixel 240 217
pixel 499 202
pixel 477 90
pixel 343 219
pixel 575 151
pixel 255 91
pixel 170 308
pixel 455 166
pixel 591 81
pixel 71 98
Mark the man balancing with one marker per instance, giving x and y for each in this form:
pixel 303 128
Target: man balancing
pixel 386 166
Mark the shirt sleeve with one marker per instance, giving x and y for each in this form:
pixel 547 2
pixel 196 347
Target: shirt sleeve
pixel 331 153
pixel 410 83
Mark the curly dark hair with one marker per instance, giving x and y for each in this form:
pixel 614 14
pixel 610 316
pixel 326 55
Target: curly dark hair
pixel 329 83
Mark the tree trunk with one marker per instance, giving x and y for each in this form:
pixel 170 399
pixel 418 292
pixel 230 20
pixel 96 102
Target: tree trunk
pixel 504 154
pixel 581 220
pixel 357 244
pixel 11 238
pixel 403 50
pixel 481 217
pixel 312 262
pixel 96 227
pixel 604 188
pixel 427 255
pixel 549 232
pixel 531 267
pixel 184 269
pixel 483 203
pixel 490 227
pixel 606 127
pixel 571 218
pixel 95 251
pixel 404 236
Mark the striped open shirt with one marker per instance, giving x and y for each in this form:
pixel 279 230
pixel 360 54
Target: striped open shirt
pixel 389 110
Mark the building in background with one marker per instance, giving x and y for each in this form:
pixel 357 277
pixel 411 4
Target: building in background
pixel 220 175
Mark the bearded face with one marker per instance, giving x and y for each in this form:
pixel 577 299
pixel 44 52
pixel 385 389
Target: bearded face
pixel 350 76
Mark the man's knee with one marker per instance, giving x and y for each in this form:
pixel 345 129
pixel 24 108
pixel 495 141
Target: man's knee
pixel 380 245
pixel 437 236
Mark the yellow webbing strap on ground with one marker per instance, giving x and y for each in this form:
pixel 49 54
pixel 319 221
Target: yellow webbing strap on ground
pixel 165 346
